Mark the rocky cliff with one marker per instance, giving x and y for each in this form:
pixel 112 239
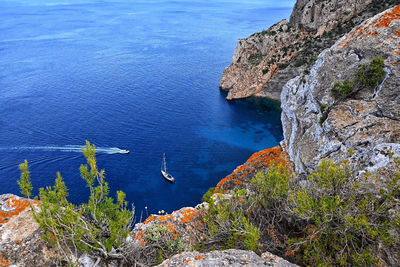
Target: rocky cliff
pixel 361 126
pixel 365 126
pixel 265 61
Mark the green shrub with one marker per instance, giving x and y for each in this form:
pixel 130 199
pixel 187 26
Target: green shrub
pixel 268 32
pixel 334 219
pixel 323 118
pixel 265 71
pixel 343 88
pixel 227 225
pixel 325 111
pixel 344 219
pixel 99 226
pixel 255 59
pixel 207 196
pixel 370 76
pixel 271 186
pixel 324 108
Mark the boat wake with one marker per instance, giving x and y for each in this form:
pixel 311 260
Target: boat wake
pixel 71 148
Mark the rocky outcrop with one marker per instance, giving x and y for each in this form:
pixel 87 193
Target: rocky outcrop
pixel 265 61
pixel 365 127
pixel 231 257
pixel 256 60
pixel 258 162
pixel 186 226
pixel 21 243
pixel 184 223
pixel 319 16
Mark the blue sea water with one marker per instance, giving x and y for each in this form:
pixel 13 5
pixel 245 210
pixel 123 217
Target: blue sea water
pixel 137 75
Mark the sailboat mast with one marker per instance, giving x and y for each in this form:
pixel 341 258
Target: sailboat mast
pixel 164 164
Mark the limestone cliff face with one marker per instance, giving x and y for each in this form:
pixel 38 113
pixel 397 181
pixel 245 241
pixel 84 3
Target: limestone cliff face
pixel 256 59
pixel 320 16
pixel 365 127
pixel 264 62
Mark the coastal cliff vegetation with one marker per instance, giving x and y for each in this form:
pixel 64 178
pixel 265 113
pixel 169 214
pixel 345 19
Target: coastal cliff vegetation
pixel 99 227
pixel 329 195
pixel 332 218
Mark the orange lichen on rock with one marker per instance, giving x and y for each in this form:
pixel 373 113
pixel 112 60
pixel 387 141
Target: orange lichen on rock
pixel 3 262
pixel 188 215
pixel 200 257
pixel 397 33
pixel 140 235
pixel 164 218
pixel 365 29
pixel 149 219
pixel 171 227
pixel 18 205
pixel 388 17
pixel 139 238
pixel 257 162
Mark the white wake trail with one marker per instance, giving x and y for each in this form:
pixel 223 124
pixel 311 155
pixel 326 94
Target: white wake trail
pixel 71 148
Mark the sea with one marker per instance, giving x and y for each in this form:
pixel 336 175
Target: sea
pixel 129 75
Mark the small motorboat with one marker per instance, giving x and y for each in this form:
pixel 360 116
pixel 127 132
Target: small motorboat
pixel 124 151
pixel 164 172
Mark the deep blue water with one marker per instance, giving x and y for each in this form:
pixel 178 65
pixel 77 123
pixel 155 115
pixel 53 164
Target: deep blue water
pixel 137 75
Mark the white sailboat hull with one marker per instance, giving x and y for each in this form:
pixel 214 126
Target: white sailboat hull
pixel 167 176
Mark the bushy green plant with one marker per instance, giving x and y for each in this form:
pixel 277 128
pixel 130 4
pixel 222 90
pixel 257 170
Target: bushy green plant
pixel 255 59
pixel 227 225
pixel 333 219
pixel 343 88
pixel 271 186
pixel 370 76
pixel 265 71
pixel 99 226
pixel 344 219
pixel 25 182
pixel 367 76
pixel 207 196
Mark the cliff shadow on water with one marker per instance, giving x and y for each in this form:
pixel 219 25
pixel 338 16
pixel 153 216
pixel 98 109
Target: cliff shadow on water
pixel 269 108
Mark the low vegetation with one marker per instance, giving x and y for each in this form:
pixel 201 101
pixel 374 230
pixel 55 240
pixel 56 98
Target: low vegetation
pixel 343 88
pixel 99 227
pixel 368 76
pixel 331 218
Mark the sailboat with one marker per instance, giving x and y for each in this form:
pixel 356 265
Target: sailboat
pixel 164 172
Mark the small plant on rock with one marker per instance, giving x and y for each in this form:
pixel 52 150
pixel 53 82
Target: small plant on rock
pixel 370 76
pixel 344 88
pixel 99 226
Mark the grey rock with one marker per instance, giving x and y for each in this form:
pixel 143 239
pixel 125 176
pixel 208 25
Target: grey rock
pixel 231 257
pixel 319 16
pixel 264 62
pixel 364 123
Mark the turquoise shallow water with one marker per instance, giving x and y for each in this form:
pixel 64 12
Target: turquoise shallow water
pixel 137 75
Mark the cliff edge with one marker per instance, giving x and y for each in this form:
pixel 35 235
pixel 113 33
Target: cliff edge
pixel 365 125
pixel 265 61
